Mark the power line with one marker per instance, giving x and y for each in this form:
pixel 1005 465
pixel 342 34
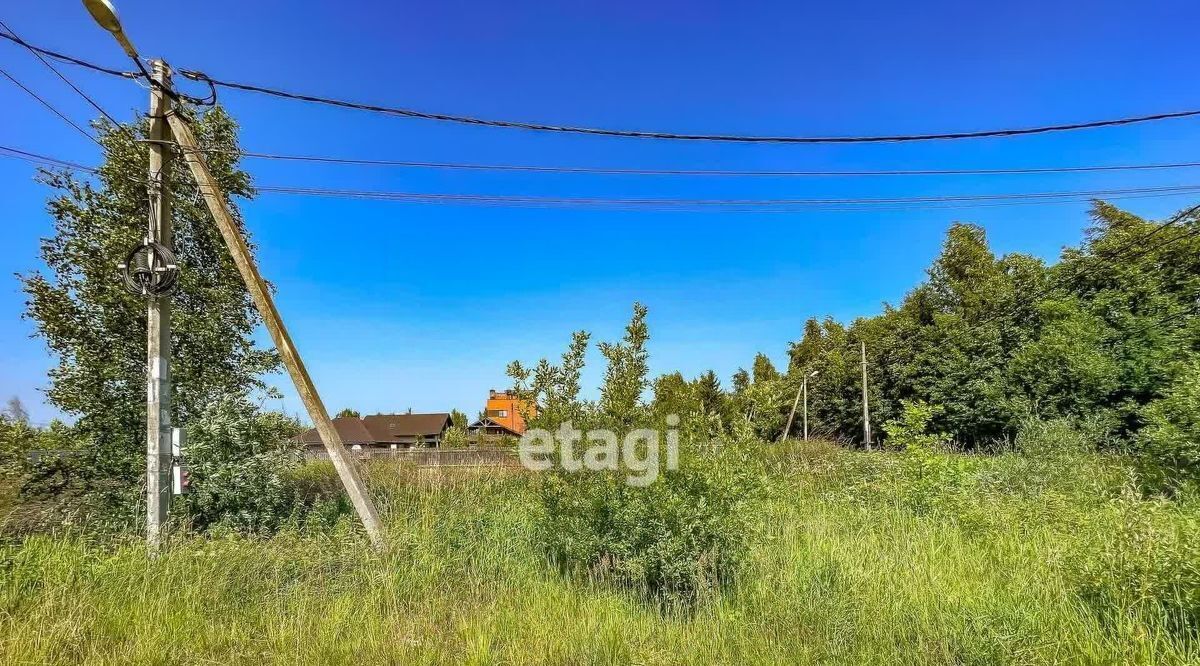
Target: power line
pixel 637 134
pixel 422 197
pixel 781 205
pixel 704 172
pixel 43 159
pixel 725 138
pixel 60 75
pixel 50 106
pixel 69 59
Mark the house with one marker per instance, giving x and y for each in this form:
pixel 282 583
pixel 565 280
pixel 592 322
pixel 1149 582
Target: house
pixel 407 430
pixel 351 429
pixel 384 431
pixel 504 415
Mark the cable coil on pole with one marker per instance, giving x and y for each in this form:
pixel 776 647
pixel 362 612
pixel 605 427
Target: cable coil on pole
pixel 150 269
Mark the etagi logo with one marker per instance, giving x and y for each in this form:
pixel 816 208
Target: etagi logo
pixel 638 450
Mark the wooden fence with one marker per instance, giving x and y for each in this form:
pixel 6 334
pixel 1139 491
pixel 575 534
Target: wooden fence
pixel 480 457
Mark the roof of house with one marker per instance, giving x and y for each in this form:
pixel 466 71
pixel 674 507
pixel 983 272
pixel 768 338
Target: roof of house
pixel 490 424
pixel 386 427
pixel 351 430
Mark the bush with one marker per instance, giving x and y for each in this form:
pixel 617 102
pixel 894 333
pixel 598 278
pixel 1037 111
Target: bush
pixel 674 540
pixel 928 475
pixel 238 462
pixel 1168 448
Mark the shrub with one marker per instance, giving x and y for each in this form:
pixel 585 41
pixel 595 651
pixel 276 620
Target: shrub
pixel 1168 448
pixel 1057 438
pixel 928 476
pixel 238 459
pixel 674 541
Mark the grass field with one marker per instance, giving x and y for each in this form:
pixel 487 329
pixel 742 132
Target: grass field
pixel 1006 560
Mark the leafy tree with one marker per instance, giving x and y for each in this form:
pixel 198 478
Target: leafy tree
pixel 625 378
pixel 708 394
pixel 348 413
pixel 458 419
pixel 16 411
pixel 96 330
pixel 764 370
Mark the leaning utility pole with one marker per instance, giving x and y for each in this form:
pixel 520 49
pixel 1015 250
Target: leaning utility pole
pixel 261 294
pixel 158 317
pixel 866 409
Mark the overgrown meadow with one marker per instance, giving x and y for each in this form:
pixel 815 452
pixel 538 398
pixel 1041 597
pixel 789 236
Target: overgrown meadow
pixel 851 557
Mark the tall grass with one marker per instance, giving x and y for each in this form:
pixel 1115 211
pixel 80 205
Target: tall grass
pixel 850 570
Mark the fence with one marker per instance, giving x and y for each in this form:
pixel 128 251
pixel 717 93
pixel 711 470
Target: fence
pixel 480 457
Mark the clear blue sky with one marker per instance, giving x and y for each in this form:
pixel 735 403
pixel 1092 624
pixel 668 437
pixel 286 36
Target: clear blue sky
pixel 401 305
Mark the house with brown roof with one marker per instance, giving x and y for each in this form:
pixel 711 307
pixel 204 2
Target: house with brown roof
pixel 384 431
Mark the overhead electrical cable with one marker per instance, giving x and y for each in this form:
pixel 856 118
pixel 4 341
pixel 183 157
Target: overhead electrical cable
pixel 60 75
pixel 637 134
pixel 69 59
pixel 50 106
pixel 687 203
pixel 717 203
pixel 617 171
pixel 724 138
pixel 35 158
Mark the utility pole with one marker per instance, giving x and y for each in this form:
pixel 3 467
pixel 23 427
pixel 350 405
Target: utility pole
pixel 158 318
pixel 804 387
pixel 866 409
pixel 803 390
pixel 261 294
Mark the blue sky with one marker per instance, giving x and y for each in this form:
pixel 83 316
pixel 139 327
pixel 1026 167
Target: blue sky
pixel 403 305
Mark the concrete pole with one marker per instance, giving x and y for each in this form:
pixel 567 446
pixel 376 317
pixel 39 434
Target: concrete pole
pixel 804 387
pixel 158 321
pixel 866 409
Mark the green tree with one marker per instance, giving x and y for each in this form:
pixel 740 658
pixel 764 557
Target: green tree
pixel 764 369
pixel 348 413
pixel 458 419
pixel 96 330
pixel 626 376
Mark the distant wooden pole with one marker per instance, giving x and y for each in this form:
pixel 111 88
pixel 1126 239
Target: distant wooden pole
pixel 792 416
pixel 866 408
pixel 158 320
pixel 804 387
pixel 274 323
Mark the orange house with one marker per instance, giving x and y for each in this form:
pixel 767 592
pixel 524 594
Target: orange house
pixel 509 411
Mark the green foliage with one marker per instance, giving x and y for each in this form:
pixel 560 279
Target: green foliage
pixel 930 477
pixel 994 341
pixel 910 431
pixel 455 438
pixel 348 413
pixel 238 459
pixel 625 377
pixel 96 331
pixel 676 540
pixel 1169 446
pixel 459 419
